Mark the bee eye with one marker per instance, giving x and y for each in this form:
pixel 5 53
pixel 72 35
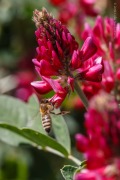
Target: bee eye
pixel 44 101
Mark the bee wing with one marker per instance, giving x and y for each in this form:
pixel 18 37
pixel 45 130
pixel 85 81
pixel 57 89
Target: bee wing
pixel 30 122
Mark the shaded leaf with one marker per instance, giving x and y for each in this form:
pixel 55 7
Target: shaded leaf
pixel 34 138
pixel 33 105
pixel 34 111
pixel 12 136
pixel 44 141
pixel 15 118
pixel 13 111
pixel 61 131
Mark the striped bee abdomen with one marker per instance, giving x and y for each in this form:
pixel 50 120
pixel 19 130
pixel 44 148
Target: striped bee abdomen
pixel 46 122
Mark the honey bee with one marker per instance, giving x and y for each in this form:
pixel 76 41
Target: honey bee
pixel 46 108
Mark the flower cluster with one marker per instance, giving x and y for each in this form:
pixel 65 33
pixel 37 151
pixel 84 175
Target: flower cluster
pixel 105 34
pixel 101 144
pixel 59 61
pixel 69 10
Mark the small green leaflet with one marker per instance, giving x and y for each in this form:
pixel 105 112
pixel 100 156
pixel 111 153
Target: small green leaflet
pixel 68 172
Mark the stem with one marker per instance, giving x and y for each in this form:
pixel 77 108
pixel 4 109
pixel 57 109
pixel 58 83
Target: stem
pixel 53 151
pixel 75 160
pixel 48 149
pixel 81 94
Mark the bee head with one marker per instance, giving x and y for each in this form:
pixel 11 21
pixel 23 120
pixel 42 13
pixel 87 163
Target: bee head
pixel 46 105
pixel 44 101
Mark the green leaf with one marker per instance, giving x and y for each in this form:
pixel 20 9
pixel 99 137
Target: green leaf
pixel 33 104
pixel 35 138
pixel 34 111
pixel 11 135
pixel 61 131
pixel 15 118
pixel 44 141
pixel 68 172
pixel 13 111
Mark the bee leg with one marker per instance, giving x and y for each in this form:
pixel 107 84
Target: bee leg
pixel 65 112
pixel 52 113
pixel 61 113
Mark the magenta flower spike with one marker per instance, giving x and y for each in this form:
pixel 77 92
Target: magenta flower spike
pixel 106 35
pixel 101 145
pixel 59 61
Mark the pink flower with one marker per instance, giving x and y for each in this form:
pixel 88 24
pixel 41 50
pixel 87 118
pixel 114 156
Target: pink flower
pixel 118 74
pixel 91 70
pixel 24 90
pixel 67 11
pixel 59 61
pixel 91 88
pixel 88 7
pixel 57 2
pixel 41 87
pixel 105 34
pixel 78 8
pixel 99 174
pixel 102 141
pixel 117 36
pixel 58 98
pixel 108 79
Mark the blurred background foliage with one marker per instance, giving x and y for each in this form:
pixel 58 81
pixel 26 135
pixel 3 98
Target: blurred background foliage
pixel 17 48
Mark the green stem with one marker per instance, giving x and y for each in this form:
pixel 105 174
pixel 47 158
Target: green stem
pixel 81 94
pixel 72 158
pixel 53 151
pixel 75 160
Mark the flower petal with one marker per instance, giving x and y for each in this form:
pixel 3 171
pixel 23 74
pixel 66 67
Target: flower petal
pixel 58 98
pixel 88 49
pixel 81 142
pixel 56 60
pixel 94 74
pixel 36 62
pixel 71 82
pixel 46 69
pixel 54 83
pixel 75 61
pixel 41 87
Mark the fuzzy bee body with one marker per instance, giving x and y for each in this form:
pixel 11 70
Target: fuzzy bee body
pixel 45 109
pixel 46 122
